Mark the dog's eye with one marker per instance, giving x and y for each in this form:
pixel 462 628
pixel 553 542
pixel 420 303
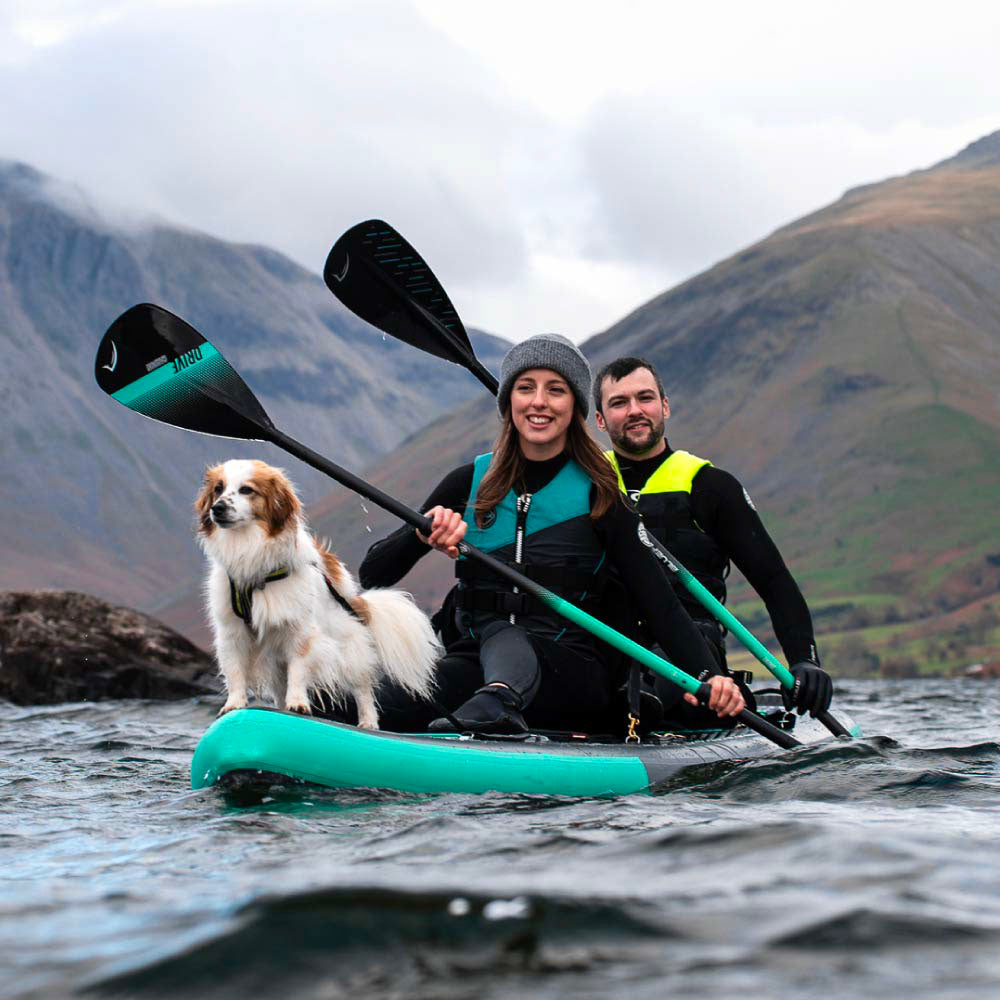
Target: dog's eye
pixel 218 489
pixel 246 490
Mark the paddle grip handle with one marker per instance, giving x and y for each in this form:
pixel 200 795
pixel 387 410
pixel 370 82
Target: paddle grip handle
pixel 753 721
pixel 832 724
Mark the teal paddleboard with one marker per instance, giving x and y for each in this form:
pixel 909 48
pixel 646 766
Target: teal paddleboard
pixel 340 756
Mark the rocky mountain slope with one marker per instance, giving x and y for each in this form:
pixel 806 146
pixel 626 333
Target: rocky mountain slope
pixel 98 499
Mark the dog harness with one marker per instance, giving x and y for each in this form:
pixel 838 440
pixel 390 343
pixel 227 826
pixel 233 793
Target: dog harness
pixel 241 598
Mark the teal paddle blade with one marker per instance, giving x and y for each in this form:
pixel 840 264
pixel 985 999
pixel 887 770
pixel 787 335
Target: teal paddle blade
pixel 156 364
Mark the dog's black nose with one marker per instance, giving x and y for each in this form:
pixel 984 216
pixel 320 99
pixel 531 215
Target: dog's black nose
pixel 219 508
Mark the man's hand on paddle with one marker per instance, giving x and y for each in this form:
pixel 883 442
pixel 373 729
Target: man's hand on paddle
pixel 813 689
pixel 726 699
pixel 447 530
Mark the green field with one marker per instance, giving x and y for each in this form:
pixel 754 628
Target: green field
pixel 903 575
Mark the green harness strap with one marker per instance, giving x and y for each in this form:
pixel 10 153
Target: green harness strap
pixel 241 598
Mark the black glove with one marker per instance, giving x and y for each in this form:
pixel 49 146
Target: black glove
pixel 813 689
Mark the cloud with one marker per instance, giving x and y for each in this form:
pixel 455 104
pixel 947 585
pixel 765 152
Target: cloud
pixel 278 123
pixel 677 190
pixel 556 163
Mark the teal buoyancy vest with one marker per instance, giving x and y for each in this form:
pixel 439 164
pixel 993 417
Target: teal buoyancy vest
pixel 547 535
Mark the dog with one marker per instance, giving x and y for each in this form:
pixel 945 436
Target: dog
pixel 287 616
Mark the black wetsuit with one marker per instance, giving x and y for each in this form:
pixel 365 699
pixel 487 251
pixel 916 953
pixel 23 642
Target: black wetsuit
pixel 722 508
pixel 563 685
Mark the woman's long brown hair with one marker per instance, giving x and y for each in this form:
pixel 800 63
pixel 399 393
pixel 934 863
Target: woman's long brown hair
pixel 507 468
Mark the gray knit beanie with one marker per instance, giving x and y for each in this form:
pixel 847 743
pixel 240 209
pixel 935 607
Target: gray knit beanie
pixel 547 350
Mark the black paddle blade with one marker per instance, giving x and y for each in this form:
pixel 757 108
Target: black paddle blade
pixel 382 279
pixel 156 364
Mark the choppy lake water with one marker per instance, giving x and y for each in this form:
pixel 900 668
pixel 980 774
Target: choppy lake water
pixel 865 869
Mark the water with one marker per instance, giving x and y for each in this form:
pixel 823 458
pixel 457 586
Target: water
pixel 859 870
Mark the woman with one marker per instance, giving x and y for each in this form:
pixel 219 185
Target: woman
pixel 547 501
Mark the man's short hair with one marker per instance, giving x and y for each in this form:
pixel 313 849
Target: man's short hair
pixel 617 370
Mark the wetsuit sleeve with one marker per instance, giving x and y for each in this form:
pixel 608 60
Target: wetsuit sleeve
pixel 723 509
pixel 392 557
pixel 648 586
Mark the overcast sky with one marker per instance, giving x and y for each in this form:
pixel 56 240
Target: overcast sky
pixel 557 163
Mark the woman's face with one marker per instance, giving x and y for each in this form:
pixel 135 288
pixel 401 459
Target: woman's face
pixel 541 409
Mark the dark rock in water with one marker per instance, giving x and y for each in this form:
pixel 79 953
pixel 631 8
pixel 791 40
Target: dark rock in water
pixel 58 646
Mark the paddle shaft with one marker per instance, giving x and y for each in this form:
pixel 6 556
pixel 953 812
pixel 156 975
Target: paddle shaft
pixel 561 607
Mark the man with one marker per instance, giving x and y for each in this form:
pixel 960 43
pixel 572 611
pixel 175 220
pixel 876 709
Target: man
pixel 706 519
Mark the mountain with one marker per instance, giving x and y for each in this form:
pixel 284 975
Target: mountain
pixel 845 368
pixel 98 499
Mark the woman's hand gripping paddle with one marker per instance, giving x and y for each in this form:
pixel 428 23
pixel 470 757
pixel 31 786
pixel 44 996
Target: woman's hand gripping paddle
pixel 373 271
pixel 156 364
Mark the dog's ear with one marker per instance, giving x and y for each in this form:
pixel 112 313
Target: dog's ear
pixel 279 499
pixel 205 499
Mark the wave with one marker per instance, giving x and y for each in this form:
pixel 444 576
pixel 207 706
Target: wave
pixel 337 941
pixel 878 768
pixel 860 927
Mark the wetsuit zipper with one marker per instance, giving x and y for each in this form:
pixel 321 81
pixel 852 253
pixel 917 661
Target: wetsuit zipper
pixel 523 503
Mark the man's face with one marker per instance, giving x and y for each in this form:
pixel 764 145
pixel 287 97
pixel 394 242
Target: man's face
pixel 633 413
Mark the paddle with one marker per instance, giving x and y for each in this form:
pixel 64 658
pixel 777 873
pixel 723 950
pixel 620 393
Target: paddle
pixel 376 287
pixel 382 279
pixel 156 364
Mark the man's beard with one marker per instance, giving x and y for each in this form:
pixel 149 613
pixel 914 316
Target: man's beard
pixel 637 446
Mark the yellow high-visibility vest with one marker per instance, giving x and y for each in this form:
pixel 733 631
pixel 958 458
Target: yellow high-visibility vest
pixel 675 475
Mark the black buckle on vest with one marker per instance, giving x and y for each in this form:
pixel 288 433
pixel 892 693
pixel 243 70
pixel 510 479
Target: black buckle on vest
pixel 502 602
pixel 513 604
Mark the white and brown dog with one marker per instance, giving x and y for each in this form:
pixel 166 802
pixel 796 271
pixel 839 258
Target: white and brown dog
pixel 288 617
